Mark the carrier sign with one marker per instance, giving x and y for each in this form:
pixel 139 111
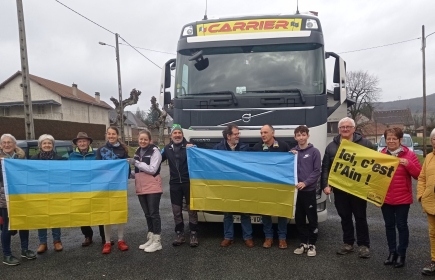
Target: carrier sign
pixel 249 26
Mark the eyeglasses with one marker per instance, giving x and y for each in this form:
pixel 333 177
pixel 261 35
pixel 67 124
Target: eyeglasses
pixel 8 143
pixel 392 139
pixel 346 127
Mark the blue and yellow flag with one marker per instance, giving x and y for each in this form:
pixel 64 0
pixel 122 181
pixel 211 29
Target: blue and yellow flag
pixel 56 194
pixel 242 182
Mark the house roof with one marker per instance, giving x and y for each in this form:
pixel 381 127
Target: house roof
pixel 373 128
pixel 113 115
pixel 403 117
pixel 62 90
pixel 137 123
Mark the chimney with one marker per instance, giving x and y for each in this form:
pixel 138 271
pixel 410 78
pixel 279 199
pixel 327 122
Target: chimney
pixel 97 97
pixel 74 89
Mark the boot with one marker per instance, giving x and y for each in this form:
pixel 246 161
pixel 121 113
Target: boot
pixel 400 262
pixel 42 248
pixel 155 245
pixel 149 241
pixel 391 259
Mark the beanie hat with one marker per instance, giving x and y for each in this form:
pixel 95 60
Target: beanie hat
pixel 176 127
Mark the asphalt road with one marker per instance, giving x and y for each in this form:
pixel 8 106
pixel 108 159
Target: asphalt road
pixel 209 261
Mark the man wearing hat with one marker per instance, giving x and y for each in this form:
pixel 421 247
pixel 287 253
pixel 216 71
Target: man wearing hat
pixel 179 185
pixel 84 151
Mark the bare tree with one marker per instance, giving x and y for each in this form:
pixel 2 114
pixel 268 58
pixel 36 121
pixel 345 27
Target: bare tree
pixel 364 89
pixel 417 119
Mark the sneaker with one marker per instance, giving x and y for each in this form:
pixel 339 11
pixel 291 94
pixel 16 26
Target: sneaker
pixel 194 239
pixel 301 249
pixel 149 241
pixel 155 245
pixel 107 248
pixel 30 255
pixel 346 249
pixel 122 246
pixel 311 250
pixel 427 270
pixel 180 239
pixel 10 260
pixel 363 252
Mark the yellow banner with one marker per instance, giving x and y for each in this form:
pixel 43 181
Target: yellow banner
pixel 362 172
pixel 249 26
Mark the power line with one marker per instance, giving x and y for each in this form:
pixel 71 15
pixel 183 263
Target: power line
pixel 139 52
pixel 109 31
pixel 85 17
pixel 151 50
pixel 381 46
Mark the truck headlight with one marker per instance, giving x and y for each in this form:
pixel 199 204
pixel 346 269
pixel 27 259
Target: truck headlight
pixel 311 24
pixel 188 30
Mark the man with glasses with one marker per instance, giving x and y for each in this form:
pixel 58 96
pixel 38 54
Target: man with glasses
pixel 348 204
pixel 231 142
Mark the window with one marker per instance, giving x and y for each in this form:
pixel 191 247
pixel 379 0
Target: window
pixel 62 151
pixel 40 109
pixel 332 127
pixel 6 111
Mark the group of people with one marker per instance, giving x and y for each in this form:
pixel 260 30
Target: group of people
pixel 147 161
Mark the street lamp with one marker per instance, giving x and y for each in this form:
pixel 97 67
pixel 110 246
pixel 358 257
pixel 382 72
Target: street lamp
pixel 423 48
pixel 121 108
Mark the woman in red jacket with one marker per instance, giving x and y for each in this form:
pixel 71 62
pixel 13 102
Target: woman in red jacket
pixel 399 196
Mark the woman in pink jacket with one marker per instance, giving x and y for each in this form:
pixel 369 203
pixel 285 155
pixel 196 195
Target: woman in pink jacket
pixel 399 196
pixel 147 160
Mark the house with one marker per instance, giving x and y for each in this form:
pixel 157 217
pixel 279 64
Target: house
pixel 373 131
pixel 53 101
pixel 128 124
pixel 419 131
pixel 395 118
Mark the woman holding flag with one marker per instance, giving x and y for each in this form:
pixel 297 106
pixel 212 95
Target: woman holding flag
pixel 114 149
pixel 46 152
pixel 399 196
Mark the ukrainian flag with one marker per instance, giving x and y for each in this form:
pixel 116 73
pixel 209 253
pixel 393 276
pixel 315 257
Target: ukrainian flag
pixel 243 182
pixel 57 194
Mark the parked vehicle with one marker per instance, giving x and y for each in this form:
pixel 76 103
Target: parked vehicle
pixel 406 141
pixel 30 147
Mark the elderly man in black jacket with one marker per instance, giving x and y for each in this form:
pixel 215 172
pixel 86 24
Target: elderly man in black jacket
pixel 348 204
pixel 231 142
pixel 179 185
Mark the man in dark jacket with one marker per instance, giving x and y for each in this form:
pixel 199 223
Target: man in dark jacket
pixel 84 151
pixel 309 164
pixel 347 204
pixel 231 142
pixel 179 185
pixel 270 144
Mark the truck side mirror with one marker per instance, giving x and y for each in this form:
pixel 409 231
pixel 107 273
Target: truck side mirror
pixel 167 98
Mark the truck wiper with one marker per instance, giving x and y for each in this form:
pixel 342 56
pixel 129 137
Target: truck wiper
pixel 235 101
pixel 301 94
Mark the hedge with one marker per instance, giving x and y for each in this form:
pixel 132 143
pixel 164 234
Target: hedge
pixel 61 130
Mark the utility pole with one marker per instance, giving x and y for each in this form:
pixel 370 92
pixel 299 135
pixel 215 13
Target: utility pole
pixel 423 47
pixel 121 107
pixel 27 99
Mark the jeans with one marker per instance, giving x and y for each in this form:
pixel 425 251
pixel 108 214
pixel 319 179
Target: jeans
pixel 245 221
pixel 42 235
pixel 348 205
pixel 177 192
pixel 396 216
pixel 6 235
pixel 268 230
pixel 150 205
pixel 306 208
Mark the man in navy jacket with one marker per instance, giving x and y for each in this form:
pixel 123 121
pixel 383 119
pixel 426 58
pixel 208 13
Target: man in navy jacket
pixel 231 142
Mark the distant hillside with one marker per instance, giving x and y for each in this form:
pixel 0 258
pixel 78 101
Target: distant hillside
pixel 415 104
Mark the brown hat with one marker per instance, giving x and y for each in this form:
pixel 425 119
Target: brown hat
pixel 82 135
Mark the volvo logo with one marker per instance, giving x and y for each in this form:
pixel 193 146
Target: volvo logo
pixel 246 117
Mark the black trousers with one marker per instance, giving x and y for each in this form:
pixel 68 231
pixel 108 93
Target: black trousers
pixel 177 192
pixel 348 205
pixel 151 207
pixel 88 232
pixel 306 208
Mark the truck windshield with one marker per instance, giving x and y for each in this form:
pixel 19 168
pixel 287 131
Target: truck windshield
pixel 253 70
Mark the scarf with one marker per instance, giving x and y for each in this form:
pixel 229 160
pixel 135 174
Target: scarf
pixel 396 153
pixel 46 155
pixel 113 146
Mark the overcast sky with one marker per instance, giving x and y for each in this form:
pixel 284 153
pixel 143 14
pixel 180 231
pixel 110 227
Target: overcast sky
pixel 63 46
